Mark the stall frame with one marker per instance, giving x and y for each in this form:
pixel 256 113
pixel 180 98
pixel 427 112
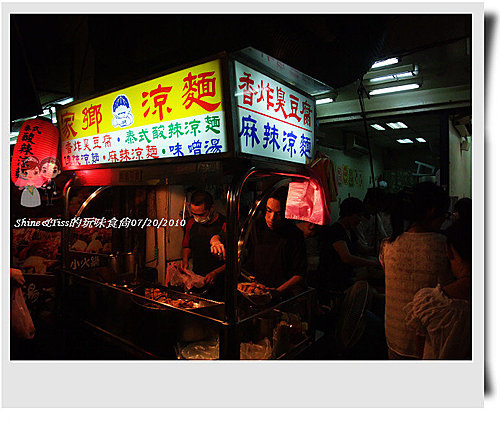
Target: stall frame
pixel 240 166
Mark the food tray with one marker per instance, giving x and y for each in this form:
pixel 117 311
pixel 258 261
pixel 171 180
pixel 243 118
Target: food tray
pixel 199 303
pixel 256 299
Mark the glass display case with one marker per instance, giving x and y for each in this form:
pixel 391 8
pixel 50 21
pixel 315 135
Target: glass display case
pixel 116 278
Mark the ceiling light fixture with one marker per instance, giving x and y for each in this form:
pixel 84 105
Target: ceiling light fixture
pixel 421 140
pixel 396 125
pixel 385 62
pixel 393 77
pixel 13 137
pixel 324 101
pixel 64 101
pixel 394 89
pixel 377 127
pixel 405 141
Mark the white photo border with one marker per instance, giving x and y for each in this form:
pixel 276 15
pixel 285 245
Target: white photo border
pixel 263 384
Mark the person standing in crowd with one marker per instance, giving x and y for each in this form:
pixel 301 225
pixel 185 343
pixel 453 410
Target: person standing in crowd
pixel 308 228
pixel 459 251
pixel 385 213
pixel 339 249
pixel 443 314
pixel 462 211
pixel 370 230
pixel 414 257
pixel 203 225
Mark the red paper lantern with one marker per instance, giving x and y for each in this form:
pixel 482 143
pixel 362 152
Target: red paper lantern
pixel 38 139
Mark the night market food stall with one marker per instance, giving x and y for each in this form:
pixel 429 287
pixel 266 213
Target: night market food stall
pixel 230 124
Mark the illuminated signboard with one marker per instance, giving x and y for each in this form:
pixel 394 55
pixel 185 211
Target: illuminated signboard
pixel 175 115
pixel 273 120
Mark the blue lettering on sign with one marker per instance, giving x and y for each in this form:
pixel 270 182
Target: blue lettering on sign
pixel 86 158
pixel 289 139
pixel 215 146
pixel 176 150
pixel 195 147
pixel 271 137
pixel 305 146
pixel 295 145
pixel 249 130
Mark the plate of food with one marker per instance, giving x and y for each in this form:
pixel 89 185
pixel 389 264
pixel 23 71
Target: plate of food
pixel 162 297
pixel 257 293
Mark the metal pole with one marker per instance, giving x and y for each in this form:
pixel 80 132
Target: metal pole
pixel 229 345
pixel 361 91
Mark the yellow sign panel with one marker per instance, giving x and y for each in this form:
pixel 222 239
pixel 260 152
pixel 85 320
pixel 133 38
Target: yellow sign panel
pixel 190 92
pixel 180 114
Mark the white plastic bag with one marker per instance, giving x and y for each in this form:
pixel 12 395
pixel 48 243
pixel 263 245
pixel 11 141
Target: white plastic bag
pixel 260 350
pixel 20 318
pixel 177 276
pixel 306 201
pixel 445 323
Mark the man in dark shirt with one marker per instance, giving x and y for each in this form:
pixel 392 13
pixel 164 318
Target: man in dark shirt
pixel 204 224
pixel 276 249
pixel 339 249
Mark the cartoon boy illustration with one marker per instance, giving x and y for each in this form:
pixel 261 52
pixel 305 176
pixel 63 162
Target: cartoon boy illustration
pixel 50 168
pixel 29 180
pixel 122 112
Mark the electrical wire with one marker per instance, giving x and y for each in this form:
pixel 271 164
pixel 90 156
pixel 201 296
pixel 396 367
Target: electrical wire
pixel 361 92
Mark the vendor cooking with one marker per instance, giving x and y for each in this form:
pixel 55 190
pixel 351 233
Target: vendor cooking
pixel 199 230
pixel 276 248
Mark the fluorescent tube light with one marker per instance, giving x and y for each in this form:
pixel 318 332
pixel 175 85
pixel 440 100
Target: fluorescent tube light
pixel 13 137
pixel 324 101
pixel 393 77
pixel 396 125
pixel 394 89
pixel 421 140
pixel 382 79
pixel 405 141
pixel 386 62
pixel 378 127
pixel 65 101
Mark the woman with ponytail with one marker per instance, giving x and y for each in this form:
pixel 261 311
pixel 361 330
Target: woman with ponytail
pixel 414 257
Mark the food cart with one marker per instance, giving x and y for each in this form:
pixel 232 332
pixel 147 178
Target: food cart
pixel 229 123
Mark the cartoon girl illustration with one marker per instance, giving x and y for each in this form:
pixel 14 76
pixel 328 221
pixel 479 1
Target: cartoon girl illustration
pixel 50 169
pixel 29 180
pixel 122 112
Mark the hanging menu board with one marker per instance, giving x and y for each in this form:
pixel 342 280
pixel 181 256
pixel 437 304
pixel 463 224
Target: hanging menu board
pixel 179 114
pixel 273 120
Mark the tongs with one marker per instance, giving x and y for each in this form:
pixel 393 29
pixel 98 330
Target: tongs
pixel 247 276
